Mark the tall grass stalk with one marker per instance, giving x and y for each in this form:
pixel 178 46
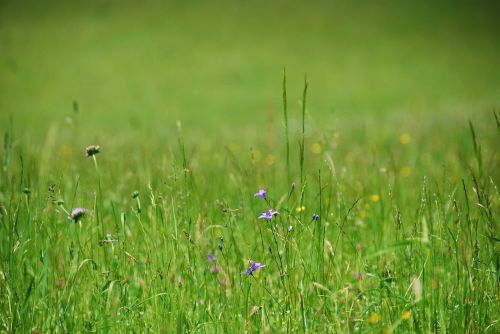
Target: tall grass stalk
pixel 285 118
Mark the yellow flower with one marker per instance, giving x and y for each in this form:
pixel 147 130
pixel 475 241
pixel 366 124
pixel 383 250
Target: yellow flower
pixel 316 148
pixel 234 148
pixel 406 171
pixel 374 198
pixel 388 330
pixel 256 155
pixel 300 209
pixel 405 139
pixel 406 315
pixel 373 318
pixel 363 213
pixel 270 159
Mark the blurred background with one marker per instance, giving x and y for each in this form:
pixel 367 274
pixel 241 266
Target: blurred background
pixel 138 67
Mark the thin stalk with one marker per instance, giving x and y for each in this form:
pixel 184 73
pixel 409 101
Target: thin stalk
pixel 285 115
pixel 304 96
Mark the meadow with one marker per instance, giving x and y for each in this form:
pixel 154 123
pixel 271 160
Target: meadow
pixel 248 167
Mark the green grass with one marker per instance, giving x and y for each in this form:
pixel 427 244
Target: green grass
pixel 396 150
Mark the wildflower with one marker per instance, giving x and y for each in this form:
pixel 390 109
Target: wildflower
pixel 256 155
pixel 211 258
pixel 315 216
pixel 77 214
pixel 316 148
pixel 234 148
pixel 300 209
pixel 270 159
pixel 92 150
pixel 261 193
pixel 406 315
pixel 268 215
pixel 253 266
pixel 290 228
pixel 405 139
pixel 215 269
pixel 374 198
pixel 373 318
pixel 406 171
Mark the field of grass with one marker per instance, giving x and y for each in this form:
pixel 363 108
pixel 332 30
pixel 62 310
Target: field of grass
pixel 383 165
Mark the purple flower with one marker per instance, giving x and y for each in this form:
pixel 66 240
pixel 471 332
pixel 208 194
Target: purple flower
pixel 268 215
pixel 315 216
pixel 261 193
pixel 77 214
pixel 253 266
pixel 211 258
pixel 215 269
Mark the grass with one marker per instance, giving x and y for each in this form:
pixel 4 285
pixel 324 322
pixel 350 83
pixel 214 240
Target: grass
pixel 403 176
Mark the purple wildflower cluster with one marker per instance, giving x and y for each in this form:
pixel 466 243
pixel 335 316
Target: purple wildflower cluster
pixel 253 266
pixel 214 269
pixel 261 193
pixel 77 214
pixel 268 215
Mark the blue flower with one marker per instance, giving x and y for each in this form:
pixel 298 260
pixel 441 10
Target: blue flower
pixel 211 258
pixel 268 215
pixel 315 216
pixel 261 193
pixel 253 266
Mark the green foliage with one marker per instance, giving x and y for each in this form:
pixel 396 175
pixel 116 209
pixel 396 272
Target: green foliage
pixel 403 175
pixel 407 238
